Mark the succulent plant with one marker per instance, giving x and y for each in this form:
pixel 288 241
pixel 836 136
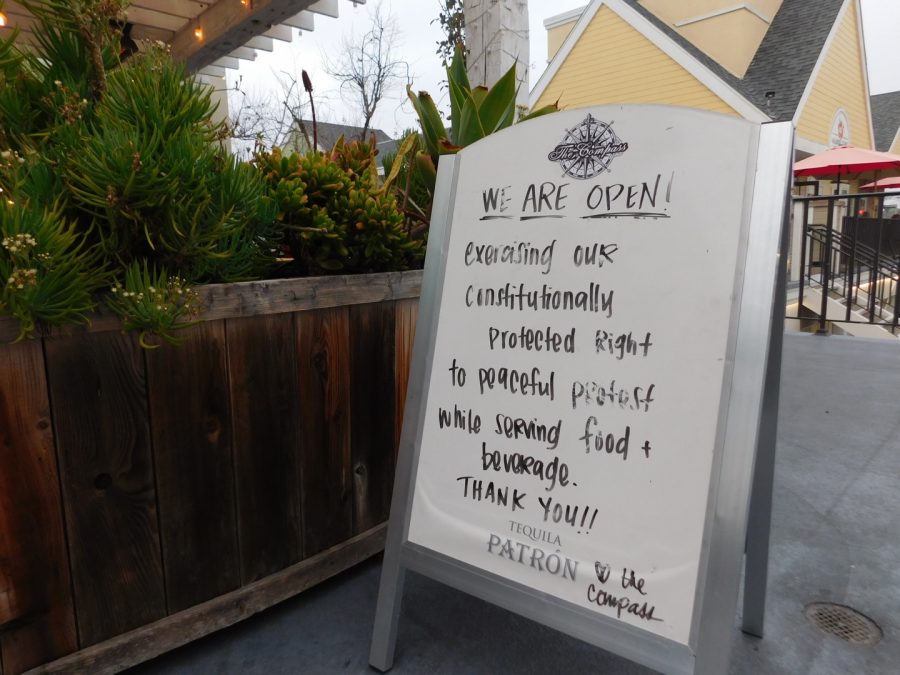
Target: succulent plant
pixel 336 214
pixel 475 112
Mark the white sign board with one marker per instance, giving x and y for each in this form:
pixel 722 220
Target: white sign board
pixel 581 353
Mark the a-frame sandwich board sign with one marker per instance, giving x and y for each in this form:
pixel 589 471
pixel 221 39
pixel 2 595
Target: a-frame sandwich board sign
pixel 588 369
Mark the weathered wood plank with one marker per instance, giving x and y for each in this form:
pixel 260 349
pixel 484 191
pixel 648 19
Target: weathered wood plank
pixel 37 621
pixel 372 416
pixel 262 365
pixel 191 431
pixel 407 312
pixel 150 641
pixel 276 296
pixel 97 386
pixel 293 295
pixel 323 347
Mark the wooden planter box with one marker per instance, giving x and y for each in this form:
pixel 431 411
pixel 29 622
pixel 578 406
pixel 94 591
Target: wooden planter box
pixel 148 498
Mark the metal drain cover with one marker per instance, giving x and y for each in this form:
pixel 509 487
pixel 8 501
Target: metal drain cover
pixel 843 622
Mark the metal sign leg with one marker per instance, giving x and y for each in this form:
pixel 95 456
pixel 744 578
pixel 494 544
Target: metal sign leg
pixel 756 565
pixel 387 615
pixel 759 521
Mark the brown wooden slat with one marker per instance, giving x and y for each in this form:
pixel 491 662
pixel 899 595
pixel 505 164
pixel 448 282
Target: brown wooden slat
pixel 151 33
pixel 103 440
pixel 191 430
pixel 20 19
pixel 13 7
pixel 101 321
pixel 150 641
pixel 37 622
pixel 262 366
pixel 372 417
pixel 277 296
pixel 183 8
pixel 407 312
pixel 323 348
pixel 147 17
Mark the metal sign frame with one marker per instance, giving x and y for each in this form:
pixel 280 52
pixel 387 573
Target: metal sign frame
pixel 741 402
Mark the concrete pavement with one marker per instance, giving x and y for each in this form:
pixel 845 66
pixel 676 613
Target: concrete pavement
pixel 835 538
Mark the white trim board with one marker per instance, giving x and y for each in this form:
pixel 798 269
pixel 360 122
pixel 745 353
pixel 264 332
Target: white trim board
pixel 806 145
pixel 677 53
pixel 564 18
pixel 725 10
pixel 893 142
pixel 865 73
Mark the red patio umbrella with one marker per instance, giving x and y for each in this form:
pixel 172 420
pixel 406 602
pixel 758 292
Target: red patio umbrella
pixel 844 160
pixel 882 185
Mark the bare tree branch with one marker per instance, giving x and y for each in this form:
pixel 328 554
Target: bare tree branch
pixel 368 69
pixel 269 119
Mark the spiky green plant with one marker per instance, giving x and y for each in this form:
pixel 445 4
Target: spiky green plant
pixel 475 112
pixel 154 183
pixel 47 272
pixel 410 175
pixel 154 303
pixel 123 160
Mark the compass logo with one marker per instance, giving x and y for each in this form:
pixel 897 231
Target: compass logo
pixel 587 149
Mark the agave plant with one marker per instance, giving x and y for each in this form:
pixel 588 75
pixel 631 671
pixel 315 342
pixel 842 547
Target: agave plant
pixel 475 112
pixel 410 175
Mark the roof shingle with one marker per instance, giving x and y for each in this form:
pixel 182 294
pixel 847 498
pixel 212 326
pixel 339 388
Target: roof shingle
pixel 885 119
pixel 784 61
pixel 329 133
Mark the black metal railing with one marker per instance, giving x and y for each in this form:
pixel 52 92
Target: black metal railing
pixel 851 259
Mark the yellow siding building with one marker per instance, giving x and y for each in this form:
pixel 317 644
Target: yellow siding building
pixel 765 60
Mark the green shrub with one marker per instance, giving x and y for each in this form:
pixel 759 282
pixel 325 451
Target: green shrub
pixel 155 185
pixel 121 177
pixel 48 276
pixel 116 187
pixel 336 216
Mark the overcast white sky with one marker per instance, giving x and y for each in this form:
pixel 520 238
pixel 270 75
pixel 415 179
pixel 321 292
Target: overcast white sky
pixel 417 43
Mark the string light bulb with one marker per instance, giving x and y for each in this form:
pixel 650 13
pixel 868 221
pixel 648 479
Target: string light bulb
pixel 3 20
pixel 198 32
pixel 245 3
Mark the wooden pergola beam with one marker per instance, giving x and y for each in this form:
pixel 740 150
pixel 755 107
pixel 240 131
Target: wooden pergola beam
pixel 303 21
pixel 243 53
pixel 228 24
pixel 282 33
pixel 328 7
